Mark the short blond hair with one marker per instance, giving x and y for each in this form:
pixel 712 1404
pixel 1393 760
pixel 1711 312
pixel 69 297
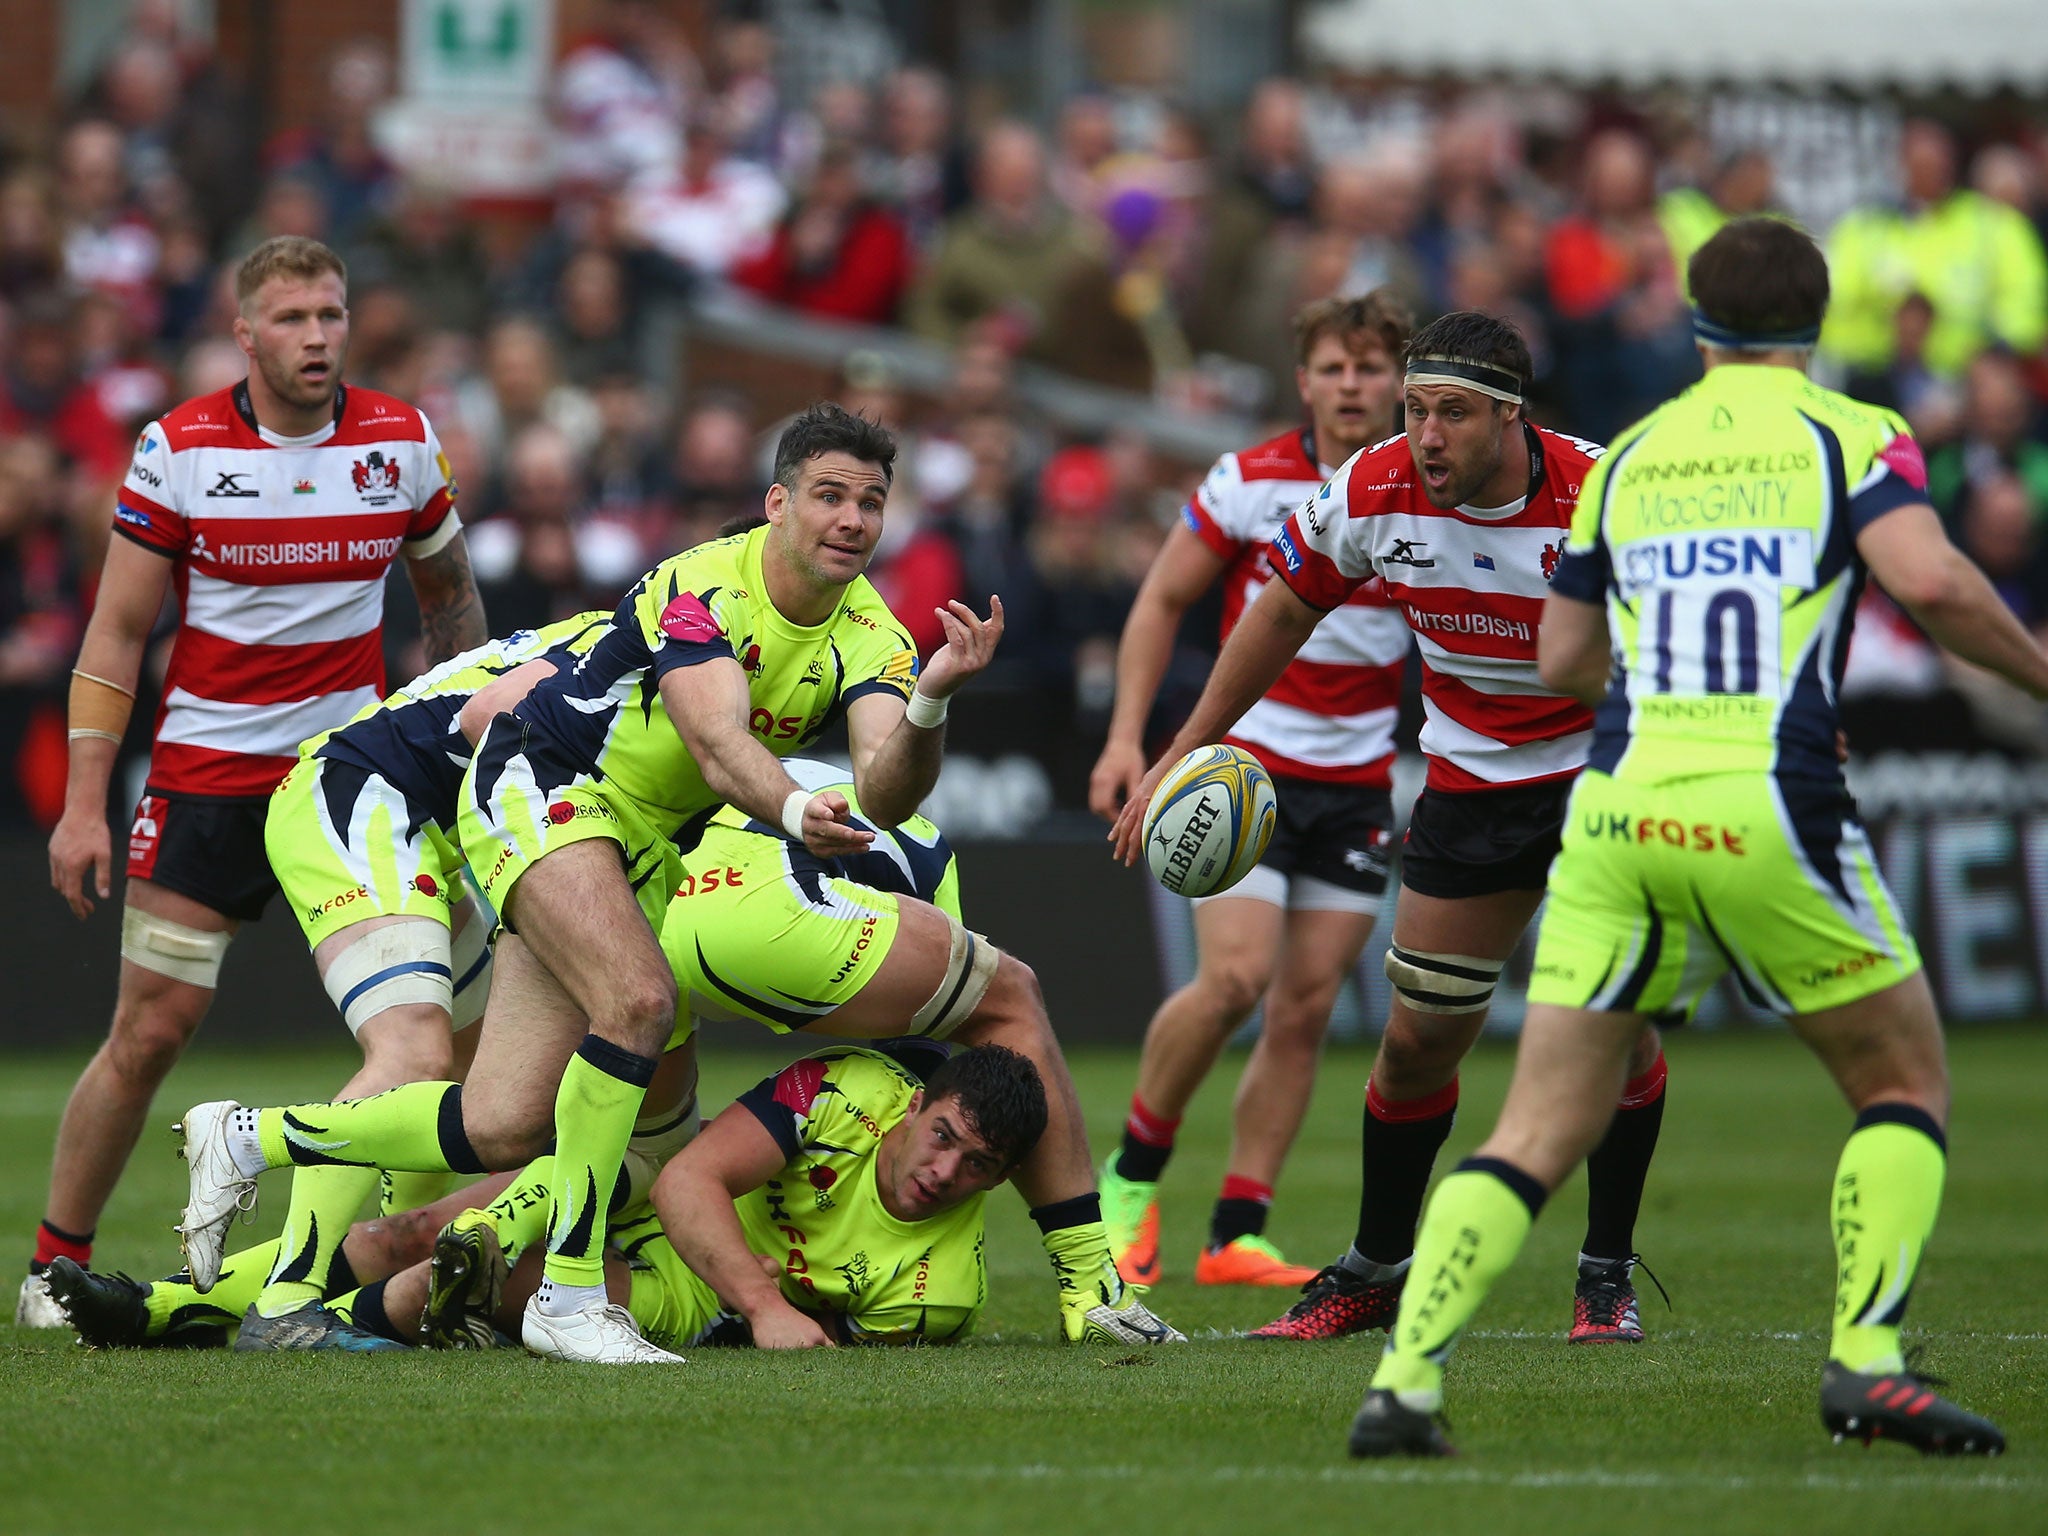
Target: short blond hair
pixel 1377 316
pixel 285 256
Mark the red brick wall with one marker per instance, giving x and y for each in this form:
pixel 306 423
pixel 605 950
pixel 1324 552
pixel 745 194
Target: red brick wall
pixel 28 69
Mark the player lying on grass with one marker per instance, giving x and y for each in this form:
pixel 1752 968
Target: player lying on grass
pixel 869 946
pixel 839 1201
pixel 1705 604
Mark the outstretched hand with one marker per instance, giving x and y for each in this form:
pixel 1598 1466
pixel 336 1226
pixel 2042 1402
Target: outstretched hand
pixel 1128 835
pixel 828 827
pixel 970 646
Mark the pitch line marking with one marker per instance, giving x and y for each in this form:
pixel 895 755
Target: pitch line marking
pixel 1576 1477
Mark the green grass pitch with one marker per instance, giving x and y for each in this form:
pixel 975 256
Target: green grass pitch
pixel 1711 1426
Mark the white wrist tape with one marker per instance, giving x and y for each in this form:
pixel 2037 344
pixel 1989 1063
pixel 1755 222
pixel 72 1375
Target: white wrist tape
pixel 923 711
pixel 793 813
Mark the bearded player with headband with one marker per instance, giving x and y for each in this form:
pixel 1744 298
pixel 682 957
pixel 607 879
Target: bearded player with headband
pixel 1460 524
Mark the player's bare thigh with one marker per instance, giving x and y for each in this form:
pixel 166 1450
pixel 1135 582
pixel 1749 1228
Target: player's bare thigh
pixel 1420 1051
pixel 1569 1068
pixel 1237 945
pixel 530 1030
pixel 579 919
pixel 904 982
pixel 1884 1048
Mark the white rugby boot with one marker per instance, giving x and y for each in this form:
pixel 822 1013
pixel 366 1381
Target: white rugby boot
pixel 600 1334
pixel 36 1307
pixel 220 1191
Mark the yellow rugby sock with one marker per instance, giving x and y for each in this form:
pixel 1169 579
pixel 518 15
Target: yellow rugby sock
pixel 241 1280
pixel 1475 1225
pixel 1886 1197
pixel 415 1128
pixel 594 1112
pixel 401 1192
pixel 325 1202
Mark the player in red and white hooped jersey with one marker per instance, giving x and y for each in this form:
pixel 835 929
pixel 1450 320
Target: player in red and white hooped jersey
pixel 275 510
pixel 1459 522
pixel 1325 730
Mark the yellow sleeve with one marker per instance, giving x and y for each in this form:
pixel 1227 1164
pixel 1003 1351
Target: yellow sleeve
pixel 880 657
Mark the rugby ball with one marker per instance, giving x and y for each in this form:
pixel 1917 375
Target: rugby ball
pixel 1209 822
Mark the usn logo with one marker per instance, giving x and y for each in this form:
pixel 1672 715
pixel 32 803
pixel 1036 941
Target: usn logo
pixel 1783 557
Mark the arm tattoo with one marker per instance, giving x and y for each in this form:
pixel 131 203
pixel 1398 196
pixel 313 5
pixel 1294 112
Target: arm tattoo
pixel 451 612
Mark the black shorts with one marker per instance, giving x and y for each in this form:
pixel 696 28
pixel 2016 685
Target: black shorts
pixel 207 847
pixel 1486 841
pixel 1340 833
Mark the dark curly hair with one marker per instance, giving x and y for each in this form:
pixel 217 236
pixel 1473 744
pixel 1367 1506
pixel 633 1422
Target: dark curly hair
pixel 830 428
pixel 999 1093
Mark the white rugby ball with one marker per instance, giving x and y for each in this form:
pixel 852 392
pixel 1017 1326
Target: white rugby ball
pixel 1209 821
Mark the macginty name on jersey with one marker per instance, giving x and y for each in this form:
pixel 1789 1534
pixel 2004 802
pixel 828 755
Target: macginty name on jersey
pixel 1722 501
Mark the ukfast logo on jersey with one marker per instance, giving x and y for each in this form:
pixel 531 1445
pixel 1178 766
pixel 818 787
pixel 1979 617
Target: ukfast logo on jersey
pixel 1783 557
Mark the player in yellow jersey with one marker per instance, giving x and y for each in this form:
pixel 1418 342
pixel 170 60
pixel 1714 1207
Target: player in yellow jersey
pixel 859 1173
pixel 361 836
pixel 1704 606
pixel 720 659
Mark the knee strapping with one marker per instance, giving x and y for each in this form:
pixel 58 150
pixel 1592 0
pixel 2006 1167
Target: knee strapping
pixel 970 966
pixel 391 966
pixel 1433 983
pixel 190 955
pixel 470 961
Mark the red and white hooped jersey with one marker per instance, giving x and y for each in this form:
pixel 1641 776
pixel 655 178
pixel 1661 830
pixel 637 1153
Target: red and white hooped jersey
pixel 1331 715
pixel 1471 583
pixel 281 548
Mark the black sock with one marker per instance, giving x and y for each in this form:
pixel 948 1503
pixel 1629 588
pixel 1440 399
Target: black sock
pixel 1140 1161
pixel 1399 1142
pixel 341 1275
pixel 1233 1219
pixel 1061 1214
pixel 371 1316
pixel 1620 1164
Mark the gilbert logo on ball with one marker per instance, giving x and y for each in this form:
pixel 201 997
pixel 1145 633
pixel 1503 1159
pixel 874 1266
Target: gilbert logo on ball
pixel 1210 821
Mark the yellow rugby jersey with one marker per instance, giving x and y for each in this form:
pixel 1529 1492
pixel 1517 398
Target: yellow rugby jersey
pixel 603 720
pixel 822 1218
pixel 1720 532
pixel 412 739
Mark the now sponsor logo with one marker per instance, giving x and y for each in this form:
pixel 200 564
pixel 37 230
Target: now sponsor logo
pixel 1697 837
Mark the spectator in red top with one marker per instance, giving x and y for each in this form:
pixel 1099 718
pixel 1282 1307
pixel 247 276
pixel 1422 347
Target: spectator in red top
pixel 1592 254
pixel 837 253
pixel 40 390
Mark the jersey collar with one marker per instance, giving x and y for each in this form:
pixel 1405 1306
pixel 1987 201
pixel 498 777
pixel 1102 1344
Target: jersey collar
pixel 246 409
pixel 1513 508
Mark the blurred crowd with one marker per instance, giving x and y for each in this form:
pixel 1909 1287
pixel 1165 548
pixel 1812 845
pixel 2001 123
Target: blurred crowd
pixel 1128 241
